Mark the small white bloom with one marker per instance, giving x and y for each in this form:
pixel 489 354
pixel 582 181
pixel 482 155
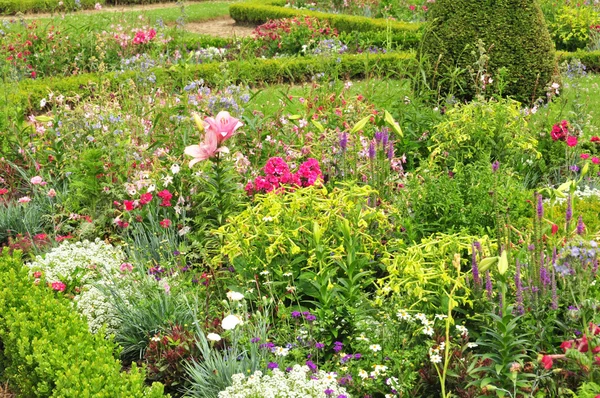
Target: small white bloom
pixel 462 330
pixel 175 168
pixel 267 218
pixel 230 322
pixel 288 274
pixel 403 315
pixel 155 338
pixel 265 272
pixel 234 296
pixel 441 316
pixel 472 345
pixel 435 358
pixel 213 337
pixel 428 330
pixel 281 351
pixel 363 374
pixel 375 347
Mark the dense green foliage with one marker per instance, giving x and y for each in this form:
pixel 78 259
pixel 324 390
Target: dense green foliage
pixel 46 349
pixel 260 12
pixel 514 36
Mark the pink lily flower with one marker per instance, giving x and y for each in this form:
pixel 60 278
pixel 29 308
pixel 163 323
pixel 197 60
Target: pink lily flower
pixel 205 150
pixel 224 125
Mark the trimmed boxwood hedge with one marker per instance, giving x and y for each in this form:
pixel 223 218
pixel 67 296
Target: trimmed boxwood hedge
pixel 591 59
pixel 252 72
pixel 258 12
pixel 11 7
pixel 46 349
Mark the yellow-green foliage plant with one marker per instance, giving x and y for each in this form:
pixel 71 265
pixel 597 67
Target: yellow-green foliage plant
pixel 418 275
pixel 313 247
pixel 484 130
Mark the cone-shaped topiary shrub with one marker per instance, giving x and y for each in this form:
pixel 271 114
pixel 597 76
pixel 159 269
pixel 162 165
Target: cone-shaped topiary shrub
pixel 513 32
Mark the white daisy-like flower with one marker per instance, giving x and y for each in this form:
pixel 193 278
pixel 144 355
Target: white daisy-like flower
pixel 421 317
pixel 435 358
pixel 403 315
pixel 234 296
pixel 363 374
pixel 281 351
pixel 441 316
pixel 375 347
pixel 428 330
pixel 472 345
pixel 462 330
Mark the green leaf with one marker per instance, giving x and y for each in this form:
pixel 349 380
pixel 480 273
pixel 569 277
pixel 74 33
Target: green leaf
pixel 503 263
pixel 360 124
pixel 393 124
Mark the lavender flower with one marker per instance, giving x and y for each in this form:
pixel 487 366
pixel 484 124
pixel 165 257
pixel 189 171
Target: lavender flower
pixel 554 304
pixel 519 309
pixel 540 207
pixel 580 226
pixel 372 150
pixel 272 365
pixel 390 152
pixel 344 141
pixel 488 285
pixel 474 267
pixel 311 365
pixel 495 166
pixel 337 346
pixel 569 212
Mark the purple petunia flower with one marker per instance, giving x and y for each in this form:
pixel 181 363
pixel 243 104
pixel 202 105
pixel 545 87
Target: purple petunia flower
pixel 272 365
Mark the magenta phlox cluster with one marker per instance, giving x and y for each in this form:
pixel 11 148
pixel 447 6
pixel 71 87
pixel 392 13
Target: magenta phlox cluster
pixel 277 175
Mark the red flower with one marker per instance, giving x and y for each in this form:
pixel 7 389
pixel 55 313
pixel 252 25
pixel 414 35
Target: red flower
pixel 584 156
pixel 554 229
pixel 166 223
pixel 128 205
pixel 560 131
pixel 571 141
pixel 3 191
pixel 166 196
pixel 546 362
pixel 146 198
pixel 595 160
pixel 33 74
pixel 595 139
pixel 59 286
pixel 60 238
pixel 566 345
pixel 37 274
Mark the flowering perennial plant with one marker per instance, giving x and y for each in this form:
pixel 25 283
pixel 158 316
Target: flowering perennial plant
pixel 300 381
pixel 278 175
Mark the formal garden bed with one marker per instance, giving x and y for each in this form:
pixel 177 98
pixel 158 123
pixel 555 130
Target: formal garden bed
pixel 361 199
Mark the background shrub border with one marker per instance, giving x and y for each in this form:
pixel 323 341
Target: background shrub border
pixel 259 12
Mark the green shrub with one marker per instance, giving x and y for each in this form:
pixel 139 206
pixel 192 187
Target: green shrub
pixel 9 7
pixel 47 349
pixel 571 28
pixel 463 200
pixel 259 12
pixel 513 32
pixel 257 71
pixel 591 59
pixel 483 131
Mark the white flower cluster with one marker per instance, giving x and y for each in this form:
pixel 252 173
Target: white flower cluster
pixel 79 262
pixel 300 382
pixel 587 192
pixel 403 315
pixel 87 266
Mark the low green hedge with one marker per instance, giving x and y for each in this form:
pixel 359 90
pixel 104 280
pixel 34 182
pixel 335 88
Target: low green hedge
pixel 46 349
pixel 258 12
pixel 11 7
pixel 253 72
pixel 591 59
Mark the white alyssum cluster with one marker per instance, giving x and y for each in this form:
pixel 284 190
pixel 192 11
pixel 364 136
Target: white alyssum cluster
pixel 79 262
pixel 300 382
pixel 586 192
pixel 92 267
